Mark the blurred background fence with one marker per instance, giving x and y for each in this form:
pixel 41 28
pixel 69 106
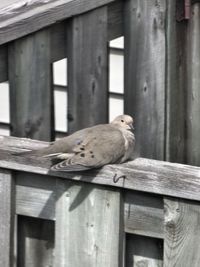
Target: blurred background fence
pixel 61 69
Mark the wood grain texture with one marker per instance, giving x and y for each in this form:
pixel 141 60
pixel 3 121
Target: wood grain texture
pixel 32 116
pixel 193 85
pixel 175 86
pixel 87 225
pixel 30 16
pixel 35 195
pixel 35 242
pixel 7 210
pixel 31 87
pixel 143 251
pixel 87 70
pixel 59 33
pixel 182 231
pixel 58 37
pixel 143 214
pixel 144 62
pixel 142 174
pixel 16 143
pixel 115 20
pixel 3 63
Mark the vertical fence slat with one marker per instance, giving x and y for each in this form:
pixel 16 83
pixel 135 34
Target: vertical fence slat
pixel 30 80
pixel 175 86
pixel 193 85
pixel 31 101
pixel 3 63
pixel 143 251
pixel 145 73
pixel 87 69
pixel 7 209
pixel 88 229
pixel 182 231
pixel 182 80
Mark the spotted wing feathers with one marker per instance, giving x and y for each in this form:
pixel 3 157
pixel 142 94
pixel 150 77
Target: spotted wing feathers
pixel 93 152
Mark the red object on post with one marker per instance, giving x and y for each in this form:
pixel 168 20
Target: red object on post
pixel 187 9
pixel 183 10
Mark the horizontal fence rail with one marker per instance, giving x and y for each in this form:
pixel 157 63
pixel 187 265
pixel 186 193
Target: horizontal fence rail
pixel 152 176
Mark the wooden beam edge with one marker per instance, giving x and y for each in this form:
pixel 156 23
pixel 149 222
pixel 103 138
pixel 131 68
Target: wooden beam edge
pixel 137 178
pixel 28 20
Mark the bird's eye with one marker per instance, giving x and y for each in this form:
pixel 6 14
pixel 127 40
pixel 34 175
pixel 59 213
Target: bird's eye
pixel 122 120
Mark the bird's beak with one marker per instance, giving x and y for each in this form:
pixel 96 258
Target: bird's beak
pixel 131 127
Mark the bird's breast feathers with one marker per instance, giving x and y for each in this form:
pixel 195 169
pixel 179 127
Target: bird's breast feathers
pixel 129 142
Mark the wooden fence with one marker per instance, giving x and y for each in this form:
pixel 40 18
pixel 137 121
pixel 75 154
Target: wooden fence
pixel 86 219
pixel 152 217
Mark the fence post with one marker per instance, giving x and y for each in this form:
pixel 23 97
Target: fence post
pixel 175 86
pixel 193 85
pixel 182 231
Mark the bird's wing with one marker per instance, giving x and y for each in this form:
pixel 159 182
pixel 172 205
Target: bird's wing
pixel 59 149
pixel 102 145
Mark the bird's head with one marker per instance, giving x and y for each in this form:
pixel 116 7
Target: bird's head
pixel 124 121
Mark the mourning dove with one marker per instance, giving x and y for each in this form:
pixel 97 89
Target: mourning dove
pixel 92 147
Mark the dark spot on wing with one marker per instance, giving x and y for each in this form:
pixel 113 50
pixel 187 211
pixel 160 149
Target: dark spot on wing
pixel 82 155
pixel 78 142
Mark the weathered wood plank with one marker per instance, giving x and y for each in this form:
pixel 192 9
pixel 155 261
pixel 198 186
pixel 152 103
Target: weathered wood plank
pixel 85 217
pixel 87 69
pixel 182 231
pixel 5 3
pixel 143 214
pixel 175 86
pixel 58 49
pixel 59 34
pixel 29 16
pixel 143 251
pixel 193 85
pixel 115 20
pixel 31 87
pixel 35 195
pixel 31 116
pixel 144 62
pixel 3 63
pixel 58 41
pixel 35 242
pixel 7 210
pixel 58 37
pixel 12 143
pixel 144 175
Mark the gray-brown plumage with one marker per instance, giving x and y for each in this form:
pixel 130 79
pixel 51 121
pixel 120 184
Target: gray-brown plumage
pixel 92 147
